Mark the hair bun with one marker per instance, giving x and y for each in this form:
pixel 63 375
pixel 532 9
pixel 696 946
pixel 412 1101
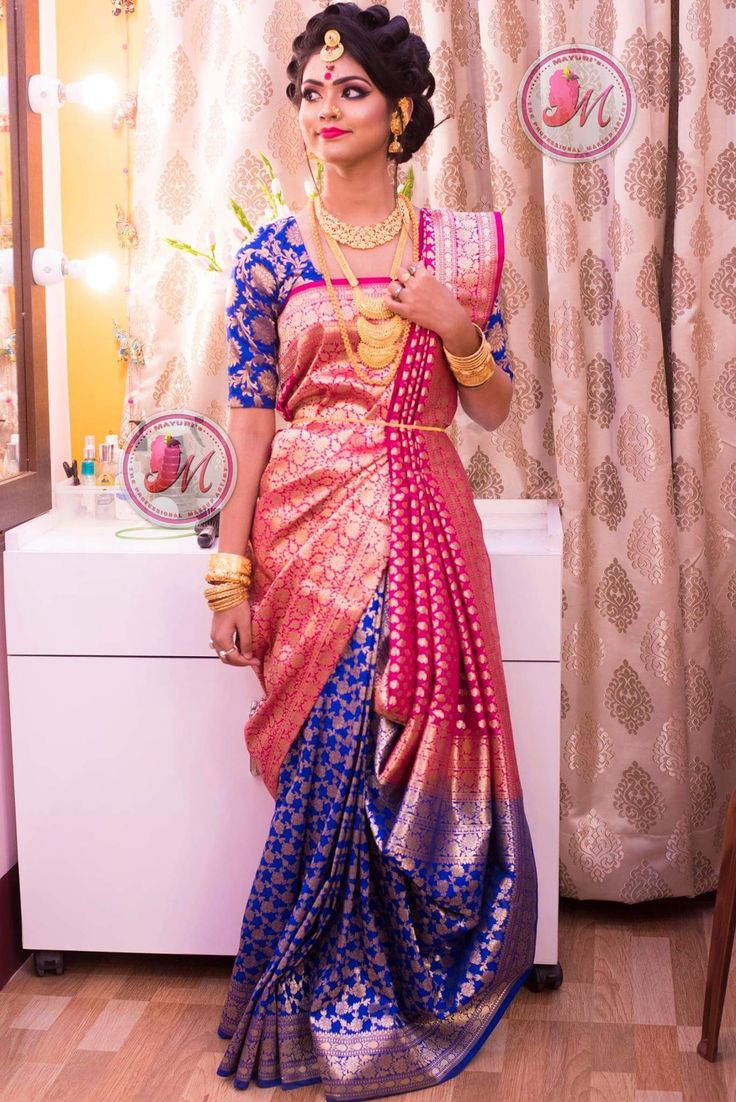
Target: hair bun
pixel 394 32
pixel 377 15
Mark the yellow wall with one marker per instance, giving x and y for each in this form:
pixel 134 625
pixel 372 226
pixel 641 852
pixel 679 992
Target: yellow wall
pixel 93 155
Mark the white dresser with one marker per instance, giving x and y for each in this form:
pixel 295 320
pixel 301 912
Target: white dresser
pixel 140 825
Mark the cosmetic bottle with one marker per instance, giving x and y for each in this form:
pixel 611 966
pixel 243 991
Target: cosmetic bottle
pixel 107 470
pixel 105 492
pixel 87 476
pixel 112 438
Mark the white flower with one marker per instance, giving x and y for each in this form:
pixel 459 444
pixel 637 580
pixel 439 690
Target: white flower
pixel 275 186
pixel 233 240
pixel 309 188
pixel 219 282
pixel 282 210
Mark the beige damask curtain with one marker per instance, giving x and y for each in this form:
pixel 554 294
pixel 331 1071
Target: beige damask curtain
pixel 649 610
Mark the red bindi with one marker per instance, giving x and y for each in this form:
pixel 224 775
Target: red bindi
pixel 328 76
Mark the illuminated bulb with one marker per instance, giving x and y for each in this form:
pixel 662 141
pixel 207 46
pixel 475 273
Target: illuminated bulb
pixel 98 93
pixel 49 266
pixel 100 272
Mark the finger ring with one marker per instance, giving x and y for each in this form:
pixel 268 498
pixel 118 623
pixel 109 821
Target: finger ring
pixel 396 293
pixel 404 277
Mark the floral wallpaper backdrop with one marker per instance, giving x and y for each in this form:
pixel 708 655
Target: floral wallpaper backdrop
pixel 649 513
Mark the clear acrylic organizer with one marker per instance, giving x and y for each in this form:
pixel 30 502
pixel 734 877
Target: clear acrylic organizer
pixel 77 504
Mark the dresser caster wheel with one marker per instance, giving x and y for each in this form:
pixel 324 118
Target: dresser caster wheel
pixel 48 963
pixel 544 977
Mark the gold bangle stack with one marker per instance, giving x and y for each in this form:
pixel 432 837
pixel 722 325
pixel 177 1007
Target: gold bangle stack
pixel 476 369
pixel 230 576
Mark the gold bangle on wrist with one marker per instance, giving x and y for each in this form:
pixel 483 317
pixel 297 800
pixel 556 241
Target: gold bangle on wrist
pixel 225 587
pixel 227 594
pixel 476 369
pixel 223 598
pixel 475 359
pixel 223 606
pixel 230 576
pixel 221 593
pixel 221 561
pixel 482 377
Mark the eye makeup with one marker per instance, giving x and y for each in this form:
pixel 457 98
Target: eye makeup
pixel 362 92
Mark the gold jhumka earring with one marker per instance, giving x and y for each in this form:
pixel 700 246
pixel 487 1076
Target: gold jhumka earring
pixel 398 124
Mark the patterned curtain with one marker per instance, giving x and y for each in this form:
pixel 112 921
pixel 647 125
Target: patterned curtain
pixel 645 472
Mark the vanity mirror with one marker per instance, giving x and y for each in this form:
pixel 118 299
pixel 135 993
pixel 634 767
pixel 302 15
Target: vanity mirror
pixel 25 482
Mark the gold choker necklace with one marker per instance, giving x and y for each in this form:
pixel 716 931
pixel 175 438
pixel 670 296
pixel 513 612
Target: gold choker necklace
pixel 360 237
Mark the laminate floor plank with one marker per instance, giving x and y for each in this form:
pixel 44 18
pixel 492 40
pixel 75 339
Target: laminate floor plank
pixel 623 1027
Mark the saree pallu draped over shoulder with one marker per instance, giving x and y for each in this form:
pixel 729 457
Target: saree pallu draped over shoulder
pixel 375 512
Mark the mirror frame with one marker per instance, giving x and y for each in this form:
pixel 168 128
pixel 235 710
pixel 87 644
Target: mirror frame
pixel 28 493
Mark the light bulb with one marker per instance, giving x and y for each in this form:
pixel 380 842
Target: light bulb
pixel 100 272
pixel 49 266
pixel 98 92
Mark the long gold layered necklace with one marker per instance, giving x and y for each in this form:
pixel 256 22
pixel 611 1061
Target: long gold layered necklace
pixel 382 334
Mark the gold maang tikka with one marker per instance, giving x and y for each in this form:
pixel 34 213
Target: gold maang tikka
pixel 331 51
pixel 398 124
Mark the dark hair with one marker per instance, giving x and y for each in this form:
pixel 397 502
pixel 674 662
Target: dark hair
pixel 396 60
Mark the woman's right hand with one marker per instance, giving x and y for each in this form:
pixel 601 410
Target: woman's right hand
pixel 232 627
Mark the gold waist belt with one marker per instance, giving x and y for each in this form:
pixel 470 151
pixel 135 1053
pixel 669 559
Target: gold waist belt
pixel 365 421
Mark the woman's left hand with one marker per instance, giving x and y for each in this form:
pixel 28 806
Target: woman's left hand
pixel 425 301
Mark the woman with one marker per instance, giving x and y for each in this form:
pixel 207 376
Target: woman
pixel 393 914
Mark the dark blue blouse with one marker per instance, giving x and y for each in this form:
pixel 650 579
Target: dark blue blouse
pixel 265 271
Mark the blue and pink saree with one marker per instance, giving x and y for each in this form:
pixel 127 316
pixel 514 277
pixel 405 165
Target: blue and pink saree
pixel 393 914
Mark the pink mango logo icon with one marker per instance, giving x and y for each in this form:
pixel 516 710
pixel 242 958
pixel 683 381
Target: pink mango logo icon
pixel 565 102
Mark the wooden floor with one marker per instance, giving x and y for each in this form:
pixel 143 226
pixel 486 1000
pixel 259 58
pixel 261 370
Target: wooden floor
pixel 622 1028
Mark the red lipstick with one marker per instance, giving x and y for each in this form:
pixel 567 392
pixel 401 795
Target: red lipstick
pixel 332 132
